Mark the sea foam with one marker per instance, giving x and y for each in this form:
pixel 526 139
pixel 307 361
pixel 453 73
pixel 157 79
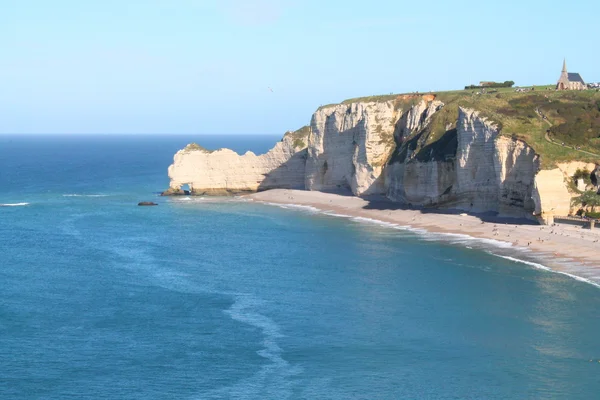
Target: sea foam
pixel 295 206
pixel 544 268
pixel 14 204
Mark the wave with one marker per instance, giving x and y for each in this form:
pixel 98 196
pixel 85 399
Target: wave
pixel 544 268
pixel 332 214
pixel 375 222
pixel 461 238
pixel 518 260
pixel 243 198
pixel 295 206
pixel 85 195
pixel 13 204
pixel 197 199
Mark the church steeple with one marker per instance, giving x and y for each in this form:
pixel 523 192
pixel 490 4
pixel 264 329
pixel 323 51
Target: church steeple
pixel 569 81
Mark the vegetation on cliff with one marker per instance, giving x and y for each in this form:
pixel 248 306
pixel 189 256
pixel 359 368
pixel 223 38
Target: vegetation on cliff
pixel 491 85
pixel 299 137
pixel 588 198
pixel 196 147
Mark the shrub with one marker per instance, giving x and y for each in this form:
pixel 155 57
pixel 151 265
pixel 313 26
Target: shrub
pixel 299 143
pixel 594 215
pixel 582 174
pixel 505 84
pixel 588 198
pixel 196 147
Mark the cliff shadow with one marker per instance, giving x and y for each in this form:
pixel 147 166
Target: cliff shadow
pixel 490 216
pixel 289 175
pixel 381 203
pixel 339 190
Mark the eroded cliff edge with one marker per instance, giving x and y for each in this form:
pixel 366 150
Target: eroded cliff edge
pixel 414 149
pixel 224 172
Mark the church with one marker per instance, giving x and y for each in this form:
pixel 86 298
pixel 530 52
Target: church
pixel 569 80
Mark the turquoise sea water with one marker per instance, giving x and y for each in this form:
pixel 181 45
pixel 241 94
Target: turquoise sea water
pixel 204 299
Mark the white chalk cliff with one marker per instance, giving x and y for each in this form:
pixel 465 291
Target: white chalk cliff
pixel 487 172
pixel 382 148
pixel 349 146
pixel 223 171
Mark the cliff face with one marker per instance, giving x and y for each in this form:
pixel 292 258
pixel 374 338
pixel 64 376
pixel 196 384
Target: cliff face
pixel 427 183
pixel 223 171
pixel 417 117
pixel 346 148
pixel 349 146
pixel 487 172
pixel 494 173
pixel 414 150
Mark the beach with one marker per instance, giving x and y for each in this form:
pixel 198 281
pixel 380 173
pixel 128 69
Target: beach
pixel 563 248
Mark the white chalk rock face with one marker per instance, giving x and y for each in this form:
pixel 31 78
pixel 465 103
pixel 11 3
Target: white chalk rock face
pixel 349 146
pixel 516 164
pixel 550 195
pixel 488 172
pixel 416 182
pixel 421 183
pixel 492 173
pixel 223 171
pixel 417 117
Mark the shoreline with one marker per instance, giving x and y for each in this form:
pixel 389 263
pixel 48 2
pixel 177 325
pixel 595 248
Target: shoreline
pixel 563 248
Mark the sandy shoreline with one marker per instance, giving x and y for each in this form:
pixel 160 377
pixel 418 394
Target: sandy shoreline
pixel 564 248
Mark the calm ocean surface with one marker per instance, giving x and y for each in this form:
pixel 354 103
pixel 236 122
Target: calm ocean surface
pixel 201 299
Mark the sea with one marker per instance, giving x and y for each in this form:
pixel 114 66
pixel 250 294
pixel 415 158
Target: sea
pixel 224 298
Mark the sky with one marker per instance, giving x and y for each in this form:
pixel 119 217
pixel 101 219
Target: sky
pixel 264 66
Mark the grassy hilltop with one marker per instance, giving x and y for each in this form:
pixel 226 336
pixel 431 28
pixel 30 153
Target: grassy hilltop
pixel 543 118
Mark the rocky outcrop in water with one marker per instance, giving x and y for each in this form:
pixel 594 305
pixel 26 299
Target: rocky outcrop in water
pixel 147 203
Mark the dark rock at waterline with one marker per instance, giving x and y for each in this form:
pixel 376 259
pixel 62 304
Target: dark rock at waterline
pixel 147 203
pixel 175 192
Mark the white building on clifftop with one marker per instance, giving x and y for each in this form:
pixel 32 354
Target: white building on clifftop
pixel 569 81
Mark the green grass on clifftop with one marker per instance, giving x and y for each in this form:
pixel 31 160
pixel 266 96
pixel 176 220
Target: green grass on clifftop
pixel 299 137
pixel 196 147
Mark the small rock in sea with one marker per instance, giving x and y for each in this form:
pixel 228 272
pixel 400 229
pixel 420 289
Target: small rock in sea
pixel 147 203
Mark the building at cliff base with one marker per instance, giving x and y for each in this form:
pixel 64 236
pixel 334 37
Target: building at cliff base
pixel 569 80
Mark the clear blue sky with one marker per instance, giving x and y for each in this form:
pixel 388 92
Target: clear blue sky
pixel 194 66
